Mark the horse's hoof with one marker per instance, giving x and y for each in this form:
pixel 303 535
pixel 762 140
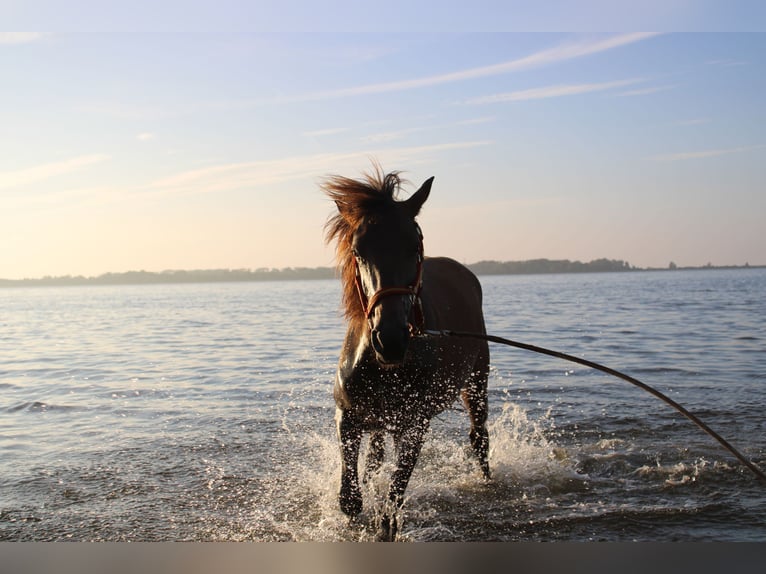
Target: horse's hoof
pixel 387 529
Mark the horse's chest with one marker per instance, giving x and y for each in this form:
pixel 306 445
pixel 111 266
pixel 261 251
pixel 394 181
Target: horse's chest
pixel 392 398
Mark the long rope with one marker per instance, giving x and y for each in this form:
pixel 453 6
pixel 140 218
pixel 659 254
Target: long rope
pixel 535 349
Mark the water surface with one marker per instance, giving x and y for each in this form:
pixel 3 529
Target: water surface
pixel 204 412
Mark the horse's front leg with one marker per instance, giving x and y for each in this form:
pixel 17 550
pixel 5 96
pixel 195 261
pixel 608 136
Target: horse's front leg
pixel 408 445
pixel 350 437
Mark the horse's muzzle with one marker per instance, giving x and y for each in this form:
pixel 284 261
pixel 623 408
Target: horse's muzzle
pixel 390 344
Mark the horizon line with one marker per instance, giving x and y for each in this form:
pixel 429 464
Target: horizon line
pixel 323 268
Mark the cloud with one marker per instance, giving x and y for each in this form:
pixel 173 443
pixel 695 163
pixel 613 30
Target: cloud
pixel 145 136
pixel 646 91
pixel 550 56
pixel 254 174
pixel 325 132
pixel 704 153
pixel 19 177
pixel 549 92
pixel 391 136
pixel 476 121
pixel 20 37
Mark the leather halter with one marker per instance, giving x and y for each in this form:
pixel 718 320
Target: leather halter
pixel 412 290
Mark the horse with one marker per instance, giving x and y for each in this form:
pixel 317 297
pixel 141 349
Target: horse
pixel 391 378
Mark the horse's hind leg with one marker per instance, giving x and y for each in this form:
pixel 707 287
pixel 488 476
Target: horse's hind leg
pixel 376 452
pixel 475 400
pixel 476 403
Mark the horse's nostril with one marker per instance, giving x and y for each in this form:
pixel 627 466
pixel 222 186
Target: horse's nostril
pixel 377 344
pixel 389 344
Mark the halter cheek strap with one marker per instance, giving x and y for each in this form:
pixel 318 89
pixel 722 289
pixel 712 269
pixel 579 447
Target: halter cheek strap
pixel 413 290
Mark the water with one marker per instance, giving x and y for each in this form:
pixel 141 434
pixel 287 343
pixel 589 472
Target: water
pixel 204 412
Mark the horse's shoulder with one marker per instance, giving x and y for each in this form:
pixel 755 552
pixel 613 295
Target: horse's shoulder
pixel 355 353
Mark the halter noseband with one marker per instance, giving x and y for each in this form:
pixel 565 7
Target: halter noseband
pixel 413 290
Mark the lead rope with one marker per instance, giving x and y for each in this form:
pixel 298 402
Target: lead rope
pixel 535 349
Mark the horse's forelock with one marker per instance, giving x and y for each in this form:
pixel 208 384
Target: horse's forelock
pixel 356 200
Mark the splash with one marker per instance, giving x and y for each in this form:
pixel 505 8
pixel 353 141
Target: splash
pixel 522 452
pixel 447 495
pixel 682 473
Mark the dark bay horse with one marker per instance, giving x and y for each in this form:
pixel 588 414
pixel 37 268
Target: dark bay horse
pixel 390 378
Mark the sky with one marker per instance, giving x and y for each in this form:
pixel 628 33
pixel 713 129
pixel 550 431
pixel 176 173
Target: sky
pixel 155 150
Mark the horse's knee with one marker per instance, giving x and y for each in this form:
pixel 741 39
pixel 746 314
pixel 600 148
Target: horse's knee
pixel 375 455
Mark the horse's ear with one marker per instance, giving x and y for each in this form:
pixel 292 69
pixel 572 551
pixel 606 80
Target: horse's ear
pixel 418 198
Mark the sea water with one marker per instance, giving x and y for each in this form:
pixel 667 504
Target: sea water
pixel 205 412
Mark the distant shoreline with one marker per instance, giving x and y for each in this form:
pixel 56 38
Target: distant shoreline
pixel 529 267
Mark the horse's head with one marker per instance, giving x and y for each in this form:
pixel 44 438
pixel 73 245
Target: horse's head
pixel 385 254
pixel 388 252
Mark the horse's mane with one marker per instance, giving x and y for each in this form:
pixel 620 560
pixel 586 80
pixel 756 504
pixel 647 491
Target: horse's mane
pixel 356 200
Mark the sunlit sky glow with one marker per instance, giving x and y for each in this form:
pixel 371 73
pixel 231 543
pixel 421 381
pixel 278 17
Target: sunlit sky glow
pixel 124 151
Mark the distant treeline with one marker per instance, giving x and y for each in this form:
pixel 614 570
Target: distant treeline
pixel 533 266
pixel 180 276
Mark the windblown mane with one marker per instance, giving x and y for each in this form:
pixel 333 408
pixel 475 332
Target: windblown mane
pixel 356 200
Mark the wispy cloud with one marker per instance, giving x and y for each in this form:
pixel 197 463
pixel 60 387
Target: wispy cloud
pixel 145 136
pixel 392 136
pixel 550 92
pixel 476 121
pixel 254 174
pixel 20 37
pixel 325 132
pixel 682 156
pixel 646 91
pixel 19 177
pixel 562 53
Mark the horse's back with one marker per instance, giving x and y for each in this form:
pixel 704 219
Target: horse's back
pixel 452 296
